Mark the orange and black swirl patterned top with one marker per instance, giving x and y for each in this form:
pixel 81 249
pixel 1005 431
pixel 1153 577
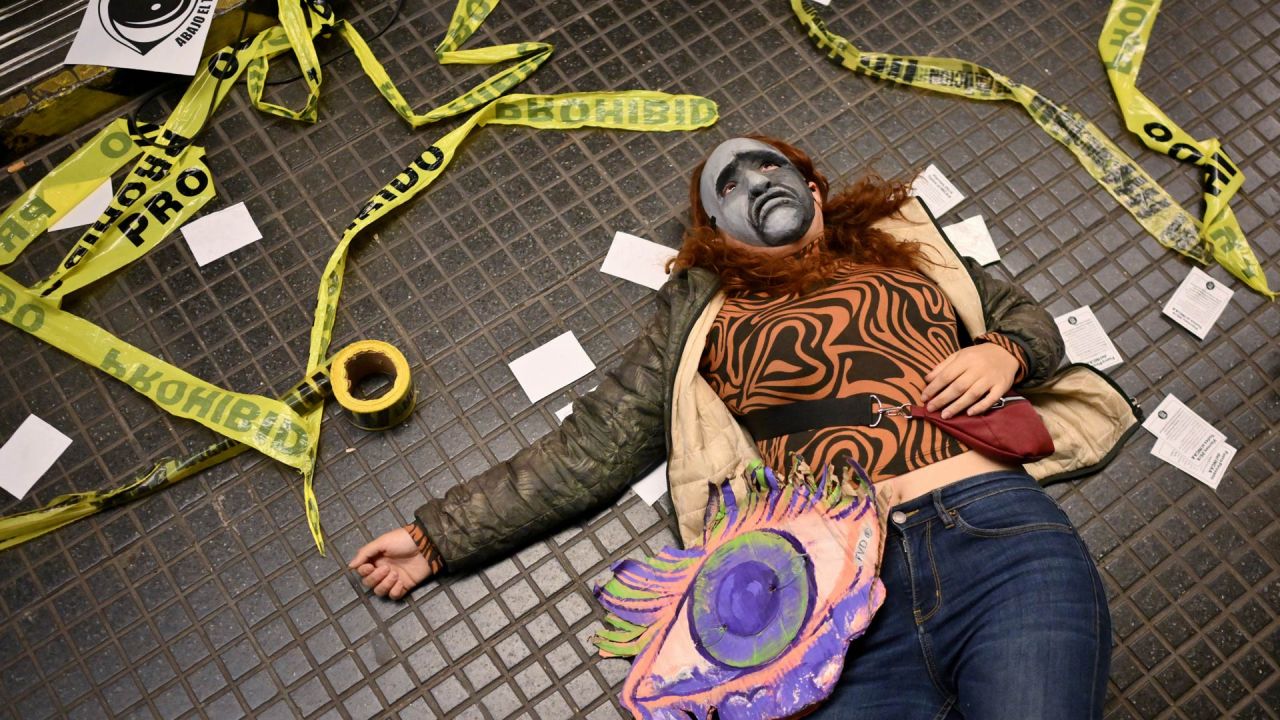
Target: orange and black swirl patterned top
pixel 873 331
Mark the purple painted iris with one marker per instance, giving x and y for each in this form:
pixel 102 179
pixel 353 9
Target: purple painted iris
pixel 747 599
pixel 751 598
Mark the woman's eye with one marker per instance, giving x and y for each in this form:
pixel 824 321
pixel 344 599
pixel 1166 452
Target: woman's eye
pixel 769 166
pixel 728 187
pixel 783 582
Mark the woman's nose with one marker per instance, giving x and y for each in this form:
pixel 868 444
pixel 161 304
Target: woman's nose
pixel 756 182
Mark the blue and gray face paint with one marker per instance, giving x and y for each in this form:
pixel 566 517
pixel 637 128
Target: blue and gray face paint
pixel 755 195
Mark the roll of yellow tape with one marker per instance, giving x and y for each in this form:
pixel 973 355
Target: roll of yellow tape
pixel 364 359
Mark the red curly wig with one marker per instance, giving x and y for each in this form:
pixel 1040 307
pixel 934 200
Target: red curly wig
pixel 848 236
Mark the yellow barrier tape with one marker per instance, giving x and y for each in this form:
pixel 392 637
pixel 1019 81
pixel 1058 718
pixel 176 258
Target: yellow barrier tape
pixel 170 182
pixel 1123 44
pixel 65 509
pixel 143 212
pixel 371 358
pixel 46 202
pixel 300 27
pixel 266 425
pixel 531 56
pixel 167 185
pixel 1114 170
pixel 633 110
pixel 468 15
pixel 165 188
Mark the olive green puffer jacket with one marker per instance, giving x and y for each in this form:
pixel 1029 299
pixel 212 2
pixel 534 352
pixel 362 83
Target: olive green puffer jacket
pixel 622 429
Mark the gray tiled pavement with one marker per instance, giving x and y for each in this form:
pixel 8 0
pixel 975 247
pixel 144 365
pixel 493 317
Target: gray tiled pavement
pixel 209 599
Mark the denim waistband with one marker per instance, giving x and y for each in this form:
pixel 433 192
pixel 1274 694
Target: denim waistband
pixel 935 503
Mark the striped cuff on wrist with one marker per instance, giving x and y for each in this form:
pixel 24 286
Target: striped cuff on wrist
pixel 425 546
pixel 1010 347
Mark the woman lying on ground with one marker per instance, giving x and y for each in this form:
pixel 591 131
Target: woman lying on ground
pixel 787 302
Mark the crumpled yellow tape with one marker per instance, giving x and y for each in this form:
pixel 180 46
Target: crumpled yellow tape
pixel 166 186
pixel 1122 44
pixel 1122 177
pixel 140 201
pixel 148 206
pixel 47 201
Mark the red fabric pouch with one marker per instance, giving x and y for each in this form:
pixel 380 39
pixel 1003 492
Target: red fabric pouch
pixel 1011 431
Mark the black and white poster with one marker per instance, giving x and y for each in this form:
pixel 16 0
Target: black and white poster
pixel 160 35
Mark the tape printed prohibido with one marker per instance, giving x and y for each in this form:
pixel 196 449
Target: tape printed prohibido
pixel 362 360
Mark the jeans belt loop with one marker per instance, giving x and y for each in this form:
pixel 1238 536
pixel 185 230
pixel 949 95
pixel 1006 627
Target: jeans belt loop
pixel 944 514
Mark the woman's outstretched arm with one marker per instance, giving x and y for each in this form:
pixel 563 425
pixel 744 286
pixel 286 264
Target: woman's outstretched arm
pixel 616 433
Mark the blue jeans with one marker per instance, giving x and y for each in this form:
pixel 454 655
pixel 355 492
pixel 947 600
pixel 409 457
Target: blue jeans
pixel 993 611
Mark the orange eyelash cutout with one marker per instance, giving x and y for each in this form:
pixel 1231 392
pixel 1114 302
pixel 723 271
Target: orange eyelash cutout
pixel 754 623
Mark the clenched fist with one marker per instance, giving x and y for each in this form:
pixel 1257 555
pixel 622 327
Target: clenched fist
pixel 395 562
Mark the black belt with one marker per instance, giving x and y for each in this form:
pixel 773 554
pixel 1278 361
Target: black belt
pixel 779 420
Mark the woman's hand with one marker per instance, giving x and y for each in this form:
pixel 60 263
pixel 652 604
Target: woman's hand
pixel 971 378
pixel 393 564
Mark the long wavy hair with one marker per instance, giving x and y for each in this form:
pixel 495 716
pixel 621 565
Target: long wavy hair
pixel 848 237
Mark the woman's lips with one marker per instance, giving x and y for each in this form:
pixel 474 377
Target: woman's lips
pixel 767 202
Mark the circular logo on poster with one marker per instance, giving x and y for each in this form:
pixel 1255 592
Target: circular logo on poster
pixel 141 25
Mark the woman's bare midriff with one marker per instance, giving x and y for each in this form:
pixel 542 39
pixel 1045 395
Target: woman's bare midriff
pixel 922 481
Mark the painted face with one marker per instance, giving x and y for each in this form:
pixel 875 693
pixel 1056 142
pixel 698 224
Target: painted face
pixel 755 194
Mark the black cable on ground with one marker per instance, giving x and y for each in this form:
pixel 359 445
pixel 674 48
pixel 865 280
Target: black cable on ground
pixel 387 26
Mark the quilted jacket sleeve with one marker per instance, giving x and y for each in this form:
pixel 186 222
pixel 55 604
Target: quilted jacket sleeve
pixel 1008 309
pixel 615 433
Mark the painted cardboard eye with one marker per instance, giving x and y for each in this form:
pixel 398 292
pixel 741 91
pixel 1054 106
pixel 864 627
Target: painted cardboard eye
pixel 755 623
pixel 143 24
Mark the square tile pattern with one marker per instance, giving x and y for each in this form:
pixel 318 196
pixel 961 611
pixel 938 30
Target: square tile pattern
pixel 209 599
